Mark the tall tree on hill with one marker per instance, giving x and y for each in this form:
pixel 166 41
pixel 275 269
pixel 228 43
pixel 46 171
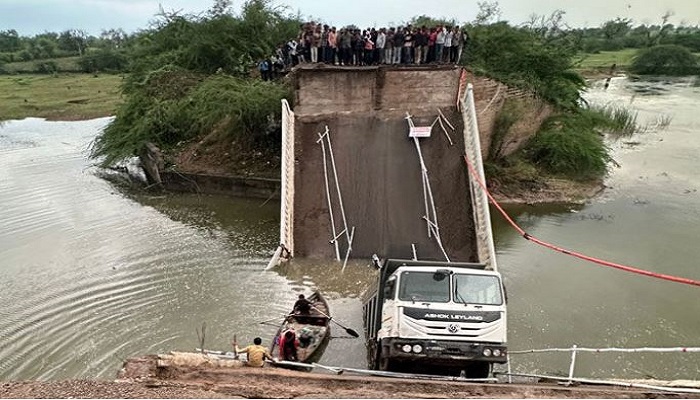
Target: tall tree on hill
pixel 73 40
pixel 10 41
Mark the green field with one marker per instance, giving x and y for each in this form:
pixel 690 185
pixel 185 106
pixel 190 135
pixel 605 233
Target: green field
pixel 605 59
pixel 64 64
pixel 59 97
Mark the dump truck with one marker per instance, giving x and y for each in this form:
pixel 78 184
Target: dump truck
pixel 435 317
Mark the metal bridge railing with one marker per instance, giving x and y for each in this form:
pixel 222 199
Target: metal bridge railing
pixel 287 189
pixel 480 203
pixel 574 350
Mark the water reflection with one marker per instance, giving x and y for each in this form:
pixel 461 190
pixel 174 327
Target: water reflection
pixel 329 276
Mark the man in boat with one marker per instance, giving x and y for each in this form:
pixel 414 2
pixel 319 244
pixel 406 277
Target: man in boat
pixel 302 306
pixel 256 353
pixel 288 345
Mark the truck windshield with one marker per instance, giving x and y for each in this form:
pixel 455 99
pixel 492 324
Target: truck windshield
pixel 424 286
pixel 477 289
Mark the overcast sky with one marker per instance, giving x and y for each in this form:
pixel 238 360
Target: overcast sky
pixel 30 17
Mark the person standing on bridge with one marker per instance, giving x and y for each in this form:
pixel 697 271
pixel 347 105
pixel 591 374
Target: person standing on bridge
pixel 398 45
pixel 389 46
pixel 439 44
pixel 447 47
pixel 332 47
pixel 379 46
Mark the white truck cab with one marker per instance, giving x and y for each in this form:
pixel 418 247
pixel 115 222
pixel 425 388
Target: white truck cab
pixel 433 314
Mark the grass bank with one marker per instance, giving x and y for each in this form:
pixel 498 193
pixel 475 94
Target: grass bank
pixel 598 64
pixel 63 64
pixel 593 64
pixel 59 97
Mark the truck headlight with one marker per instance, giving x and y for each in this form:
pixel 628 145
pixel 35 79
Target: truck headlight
pixel 496 352
pixel 487 352
pixel 417 348
pixel 406 348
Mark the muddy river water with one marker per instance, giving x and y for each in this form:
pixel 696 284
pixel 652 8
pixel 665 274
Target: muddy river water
pixel 92 273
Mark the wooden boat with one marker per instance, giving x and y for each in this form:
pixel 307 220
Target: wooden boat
pixel 312 333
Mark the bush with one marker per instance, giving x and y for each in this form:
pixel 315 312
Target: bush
pixel 665 60
pixel 576 154
pixel 25 55
pixel 46 67
pixel 524 58
pixel 103 60
pixel 572 143
pixel 174 105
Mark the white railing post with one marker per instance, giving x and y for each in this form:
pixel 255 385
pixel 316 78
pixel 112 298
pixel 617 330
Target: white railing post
pixel 510 377
pixel 573 364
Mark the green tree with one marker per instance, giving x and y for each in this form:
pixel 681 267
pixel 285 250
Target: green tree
pixel 10 41
pixel 525 58
pixel 424 20
pixel 215 41
pixel 191 75
pixel 113 38
pixel 489 12
pixel 665 60
pixel 72 41
pixel 103 60
pixel 616 28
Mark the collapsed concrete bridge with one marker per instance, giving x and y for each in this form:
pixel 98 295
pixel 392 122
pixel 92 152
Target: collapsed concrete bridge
pixel 352 178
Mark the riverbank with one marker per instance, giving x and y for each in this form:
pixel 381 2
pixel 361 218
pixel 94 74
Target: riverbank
pixel 143 377
pixel 59 97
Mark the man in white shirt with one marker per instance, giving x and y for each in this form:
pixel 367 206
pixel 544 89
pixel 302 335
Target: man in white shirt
pixel 379 46
pixel 448 44
pixel 439 44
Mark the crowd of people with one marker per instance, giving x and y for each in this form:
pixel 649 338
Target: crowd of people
pixel 317 43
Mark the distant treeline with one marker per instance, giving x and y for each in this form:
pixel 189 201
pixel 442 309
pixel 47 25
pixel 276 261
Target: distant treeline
pixel 44 52
pixel 621 33
pixel 115 50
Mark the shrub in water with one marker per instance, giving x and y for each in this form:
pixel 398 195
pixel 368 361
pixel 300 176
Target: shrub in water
pixel 665 60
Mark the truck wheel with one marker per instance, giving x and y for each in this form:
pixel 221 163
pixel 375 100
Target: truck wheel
pixel 478 370
pixel 372 356
pixel 386 363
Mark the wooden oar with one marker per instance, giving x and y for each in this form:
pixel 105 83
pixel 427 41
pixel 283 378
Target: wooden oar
pixel 272 319
pixel 350 331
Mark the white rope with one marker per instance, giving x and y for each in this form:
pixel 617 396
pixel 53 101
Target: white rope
pixel 328 194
